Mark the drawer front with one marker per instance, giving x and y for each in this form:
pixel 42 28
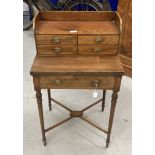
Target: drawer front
pixel 97 49
pixel 56 49
pixel 98 39
pixel 77 82
pixel 56 39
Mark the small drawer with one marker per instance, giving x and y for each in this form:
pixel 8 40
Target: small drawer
pixel 98 39
pixel 57 49
pixel 97 49
pixel 76 82
pixel 56 39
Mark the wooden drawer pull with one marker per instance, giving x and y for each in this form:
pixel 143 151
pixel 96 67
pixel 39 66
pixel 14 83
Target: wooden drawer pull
pixel 99 39
pixel 57 50
pixel 58 82
pixel 55 39
pixel 97 50
pixel 96 83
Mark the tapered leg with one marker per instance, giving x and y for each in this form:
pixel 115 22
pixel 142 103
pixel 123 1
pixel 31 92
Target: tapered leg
pixel 112 111
pixel 49 99
pixel 40 109
pixel 103 100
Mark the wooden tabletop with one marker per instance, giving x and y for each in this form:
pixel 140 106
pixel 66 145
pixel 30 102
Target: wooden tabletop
pixel 93 65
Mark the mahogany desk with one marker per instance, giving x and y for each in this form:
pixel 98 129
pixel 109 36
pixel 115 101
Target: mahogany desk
pixel 72 53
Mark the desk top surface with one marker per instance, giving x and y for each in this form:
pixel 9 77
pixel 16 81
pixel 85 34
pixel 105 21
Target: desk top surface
pixel 93 65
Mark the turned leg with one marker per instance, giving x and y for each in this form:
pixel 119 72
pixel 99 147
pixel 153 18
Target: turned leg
pixel 112 111
pixel 40 109
pixel 103 100
pixel 49 99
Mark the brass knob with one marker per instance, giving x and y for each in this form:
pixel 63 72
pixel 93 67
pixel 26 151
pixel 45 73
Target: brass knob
pixel 58 82
pixel 97 50
pixel 99 39
pixel 56 39
pixel 57 50
pixel 95 83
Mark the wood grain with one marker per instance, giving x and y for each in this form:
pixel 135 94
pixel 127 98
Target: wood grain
pixel 77 15
pixel 125 10
pixel 49 39
pixel 50 49
pixel 82 27
pixel 78 82
pixel 77 64
pixel 92 39
pixel 77 50
pixel 97 49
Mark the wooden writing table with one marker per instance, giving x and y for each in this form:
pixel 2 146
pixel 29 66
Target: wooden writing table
pixel 87 59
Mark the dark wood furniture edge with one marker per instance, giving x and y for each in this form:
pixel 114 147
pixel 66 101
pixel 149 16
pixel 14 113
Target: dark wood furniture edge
pixel 116 74
pixel 127 65
pixel 126 60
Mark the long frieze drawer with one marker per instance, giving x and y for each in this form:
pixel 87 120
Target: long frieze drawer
pixel 56 49
pixel 56 39
pixel 71 82
pixel 97 49
pixel 98 39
